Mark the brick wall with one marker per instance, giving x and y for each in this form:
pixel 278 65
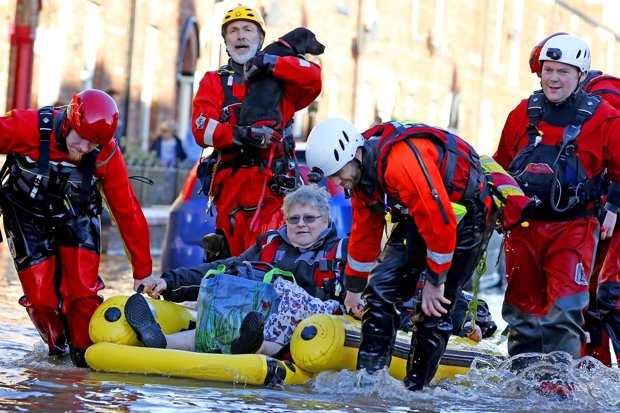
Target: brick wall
pixel 402 59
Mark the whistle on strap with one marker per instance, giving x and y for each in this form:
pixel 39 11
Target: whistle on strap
pixel 388 217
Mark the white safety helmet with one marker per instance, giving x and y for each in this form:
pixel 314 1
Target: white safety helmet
pixel 568 49
pixel 331 144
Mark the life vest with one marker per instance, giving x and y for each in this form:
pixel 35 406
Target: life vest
pixel 458 161
pixel 326 271
pixel 284 165
pixel 554 173
pixel 231 106
pixel 236 157
pixel 51 189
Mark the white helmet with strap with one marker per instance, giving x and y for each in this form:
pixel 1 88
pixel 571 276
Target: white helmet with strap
pixel 568 49
pixel 332 143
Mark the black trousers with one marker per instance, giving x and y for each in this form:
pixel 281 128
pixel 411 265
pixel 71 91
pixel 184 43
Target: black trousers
pixel 393 281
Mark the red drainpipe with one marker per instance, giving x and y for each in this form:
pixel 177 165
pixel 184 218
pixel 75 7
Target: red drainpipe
pixel 22 40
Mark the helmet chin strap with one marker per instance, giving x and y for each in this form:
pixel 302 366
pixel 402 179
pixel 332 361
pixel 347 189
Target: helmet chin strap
pixel 61 131
pixel 577 89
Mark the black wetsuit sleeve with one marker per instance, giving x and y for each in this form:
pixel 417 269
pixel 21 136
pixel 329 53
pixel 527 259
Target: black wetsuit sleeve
pixel 183 284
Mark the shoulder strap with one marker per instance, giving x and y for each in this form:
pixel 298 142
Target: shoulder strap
pixel 268 243
pixel 327 273
pixel 46 122
pixel 451 155
pixel 336 252
pixel 588 105
pixel 10 160
pixel 227 77
pixel 87 174
pixel 534 113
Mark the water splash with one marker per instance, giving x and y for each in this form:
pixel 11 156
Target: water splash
pixel 541 381
pixel 528 382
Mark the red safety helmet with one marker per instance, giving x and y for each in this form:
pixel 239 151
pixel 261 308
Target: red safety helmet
pixel 93 115
pixel 535 65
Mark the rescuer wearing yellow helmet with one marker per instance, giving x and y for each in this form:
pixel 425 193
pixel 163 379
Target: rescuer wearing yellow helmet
pixel 249 155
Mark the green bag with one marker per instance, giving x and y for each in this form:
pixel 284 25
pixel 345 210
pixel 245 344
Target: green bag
pixel 227 295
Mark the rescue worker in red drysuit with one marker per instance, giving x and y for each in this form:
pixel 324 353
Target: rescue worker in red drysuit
pixel 250 156
pixel 410 174
pixel 57 159
pixel 557 144
pixel 602 320
pixel 603 316
pixel 608 297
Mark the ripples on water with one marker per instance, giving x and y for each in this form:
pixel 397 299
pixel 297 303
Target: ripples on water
pixel 30 381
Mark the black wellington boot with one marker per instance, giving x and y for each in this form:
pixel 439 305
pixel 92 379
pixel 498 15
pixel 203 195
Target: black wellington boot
pixel 250 334
pixel 427 347
pixel 78 357
pixel 375 352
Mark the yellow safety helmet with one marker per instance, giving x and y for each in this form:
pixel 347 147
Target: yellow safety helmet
pixel 243 13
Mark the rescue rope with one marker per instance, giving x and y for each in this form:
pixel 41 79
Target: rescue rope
pixel 210 195
pixel 255 221
pixel 472 306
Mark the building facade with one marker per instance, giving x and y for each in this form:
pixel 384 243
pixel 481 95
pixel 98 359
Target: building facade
pixel 457 64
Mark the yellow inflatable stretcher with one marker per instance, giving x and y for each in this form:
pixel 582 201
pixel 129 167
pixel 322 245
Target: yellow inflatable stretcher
pixel 117 349
pixel 320 343
pixel 326 342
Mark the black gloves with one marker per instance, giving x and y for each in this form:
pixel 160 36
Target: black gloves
pixel 261 63
pixel 258 137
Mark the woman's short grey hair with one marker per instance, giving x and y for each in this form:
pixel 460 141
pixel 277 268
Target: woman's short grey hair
pixel 308 195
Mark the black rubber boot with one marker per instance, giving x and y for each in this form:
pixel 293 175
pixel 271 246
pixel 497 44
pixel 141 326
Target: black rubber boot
pixel 427 347
pixel 60 347
pixel 250 334
pixel 375 352
pixel 78 357
pixel 140 318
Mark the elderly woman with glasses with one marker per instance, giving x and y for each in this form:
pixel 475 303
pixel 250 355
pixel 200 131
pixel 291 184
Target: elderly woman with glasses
pixel 307 246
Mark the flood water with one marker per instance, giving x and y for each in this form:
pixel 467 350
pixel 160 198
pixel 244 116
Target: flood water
pixel 30 381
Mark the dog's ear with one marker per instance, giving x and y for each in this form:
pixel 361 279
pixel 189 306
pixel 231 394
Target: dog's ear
pixel 301 39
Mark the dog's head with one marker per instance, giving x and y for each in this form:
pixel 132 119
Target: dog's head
pixel 303 41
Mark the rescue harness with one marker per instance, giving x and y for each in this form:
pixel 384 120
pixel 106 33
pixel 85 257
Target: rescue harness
pixel 246 157
pixel 554 173
pixel 51 189
pixel 457 161
pixel 326 275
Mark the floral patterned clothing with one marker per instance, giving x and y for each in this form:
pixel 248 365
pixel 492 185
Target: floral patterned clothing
pixel 295 305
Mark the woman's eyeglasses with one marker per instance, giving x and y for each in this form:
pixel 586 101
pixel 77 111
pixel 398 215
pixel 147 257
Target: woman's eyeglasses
pixel 308 219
